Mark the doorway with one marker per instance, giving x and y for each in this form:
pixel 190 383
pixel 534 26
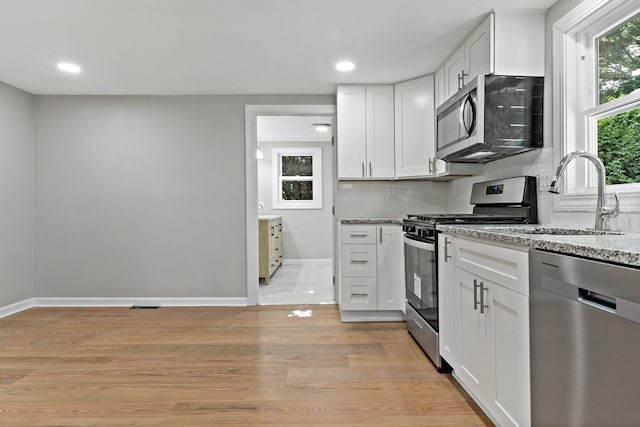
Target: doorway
pixel 280 185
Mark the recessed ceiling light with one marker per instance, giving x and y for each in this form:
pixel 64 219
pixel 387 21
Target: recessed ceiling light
pixel 345 66
pixel 321 127
pixel 69 67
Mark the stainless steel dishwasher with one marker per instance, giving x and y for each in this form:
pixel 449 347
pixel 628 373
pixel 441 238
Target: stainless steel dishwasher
pixel 585 342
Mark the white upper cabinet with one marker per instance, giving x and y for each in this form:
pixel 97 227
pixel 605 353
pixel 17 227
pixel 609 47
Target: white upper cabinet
pixel 454 73
pixel 380 151
pixel 477 50
pixel 365 132
pixel 507 42
pixel 415 127
pixel 439 84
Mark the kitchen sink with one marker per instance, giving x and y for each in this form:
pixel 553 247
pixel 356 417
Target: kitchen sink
pixel 560 231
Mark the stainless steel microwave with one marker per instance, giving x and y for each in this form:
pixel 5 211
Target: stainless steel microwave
pixel 490 118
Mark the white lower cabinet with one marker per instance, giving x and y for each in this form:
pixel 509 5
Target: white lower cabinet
pixel 371 269
pixel 485 329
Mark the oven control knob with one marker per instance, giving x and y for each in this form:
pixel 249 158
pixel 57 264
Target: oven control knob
pixel 408 228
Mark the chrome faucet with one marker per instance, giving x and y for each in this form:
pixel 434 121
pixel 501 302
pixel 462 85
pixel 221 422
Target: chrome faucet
pixel 603 213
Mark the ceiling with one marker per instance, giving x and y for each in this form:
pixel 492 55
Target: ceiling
pixel 230 46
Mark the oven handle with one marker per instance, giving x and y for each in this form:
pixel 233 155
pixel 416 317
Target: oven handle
pixel 420 245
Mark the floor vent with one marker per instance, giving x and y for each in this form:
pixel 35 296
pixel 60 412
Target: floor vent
pixel 144 307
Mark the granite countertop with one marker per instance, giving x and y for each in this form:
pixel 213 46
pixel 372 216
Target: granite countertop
pixel 623 248
pixel 371 221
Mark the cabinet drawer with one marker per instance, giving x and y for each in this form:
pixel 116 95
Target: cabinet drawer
pixel 359 293
pixel 505 266
pixel 358 260
pixel 358 234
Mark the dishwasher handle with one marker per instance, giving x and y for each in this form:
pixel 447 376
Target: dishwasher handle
pixel 597 300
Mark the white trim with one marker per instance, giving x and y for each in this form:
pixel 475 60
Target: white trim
pixel 127 302
pixel 371 316
pixel 16 307
pixel 19 306
pixel 569 125
pixel 251 113
pixel 293 261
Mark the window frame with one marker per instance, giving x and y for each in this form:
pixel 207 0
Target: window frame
pixel 575 98
pixel 278 179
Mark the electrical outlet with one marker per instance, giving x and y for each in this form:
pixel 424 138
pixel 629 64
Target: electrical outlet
pixel 391 193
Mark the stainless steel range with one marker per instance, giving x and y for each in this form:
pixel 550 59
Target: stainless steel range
pixel 505 201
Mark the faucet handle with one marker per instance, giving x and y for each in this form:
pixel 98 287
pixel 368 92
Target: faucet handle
pixel 612 213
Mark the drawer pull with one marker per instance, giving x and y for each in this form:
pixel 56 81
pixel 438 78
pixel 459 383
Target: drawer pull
pixel 358 235
pixel 359 261
pixel 359 295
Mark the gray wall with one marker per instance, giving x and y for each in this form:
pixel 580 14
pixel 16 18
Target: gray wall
pixel 306 233
pixel 143 195
pixel 17 137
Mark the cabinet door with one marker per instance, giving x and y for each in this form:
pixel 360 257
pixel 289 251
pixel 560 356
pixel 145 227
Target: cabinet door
pixel 449 303
pixel 509 312
pixel 476 338
pixel 390 268
pixel 478 50
pixel 415 127
pixel 351 111
pixel 380 145
pixel 440 87
pixel 453 72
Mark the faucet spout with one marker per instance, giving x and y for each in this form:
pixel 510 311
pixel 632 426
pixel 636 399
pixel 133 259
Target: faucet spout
pixel 602 212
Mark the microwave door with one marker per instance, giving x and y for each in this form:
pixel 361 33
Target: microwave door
pixel 449 126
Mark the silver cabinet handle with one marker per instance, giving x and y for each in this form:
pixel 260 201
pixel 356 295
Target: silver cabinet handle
pixel 359 295
pixel 435 167
pixel 370 170
pixel 430 167
pixel 380 234
pixel 475 294
pixel 358 235
pixel 359 261
pixel 482 289
pixel 273 229
pixel 363 175
pixel 461 77
pixel 447 242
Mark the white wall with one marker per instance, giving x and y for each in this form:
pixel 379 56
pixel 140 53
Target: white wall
pixel 143 195
pixel 306 233
pixel 17 136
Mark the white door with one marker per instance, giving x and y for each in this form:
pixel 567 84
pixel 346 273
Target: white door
pixel 390 268
pixel 351 101
pixel 380 138
pixel 476 367
pixel 415 127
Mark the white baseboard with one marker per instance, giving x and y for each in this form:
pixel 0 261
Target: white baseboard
pixel 307 261
pixel 121 302
pixel 371 316
pixel 17 307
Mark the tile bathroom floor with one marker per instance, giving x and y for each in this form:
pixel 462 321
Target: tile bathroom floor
pixel 307 282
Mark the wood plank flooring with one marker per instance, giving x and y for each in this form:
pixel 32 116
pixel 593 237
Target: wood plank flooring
pixel 245 366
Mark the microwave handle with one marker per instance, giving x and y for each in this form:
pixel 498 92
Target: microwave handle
pixel 469 102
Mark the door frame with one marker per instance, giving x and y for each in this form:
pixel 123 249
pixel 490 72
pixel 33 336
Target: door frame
pixel 251 113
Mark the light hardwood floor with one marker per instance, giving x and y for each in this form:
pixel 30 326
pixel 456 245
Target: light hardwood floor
pixel 247 366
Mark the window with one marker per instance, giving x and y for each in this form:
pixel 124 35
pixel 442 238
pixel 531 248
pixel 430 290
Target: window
pixel 297 178
pixel 597 68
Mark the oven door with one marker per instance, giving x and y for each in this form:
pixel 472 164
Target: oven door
pixel 421 279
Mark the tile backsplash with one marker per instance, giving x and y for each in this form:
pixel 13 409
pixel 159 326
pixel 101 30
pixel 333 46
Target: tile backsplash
pixel 396 199
pixel 389 199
